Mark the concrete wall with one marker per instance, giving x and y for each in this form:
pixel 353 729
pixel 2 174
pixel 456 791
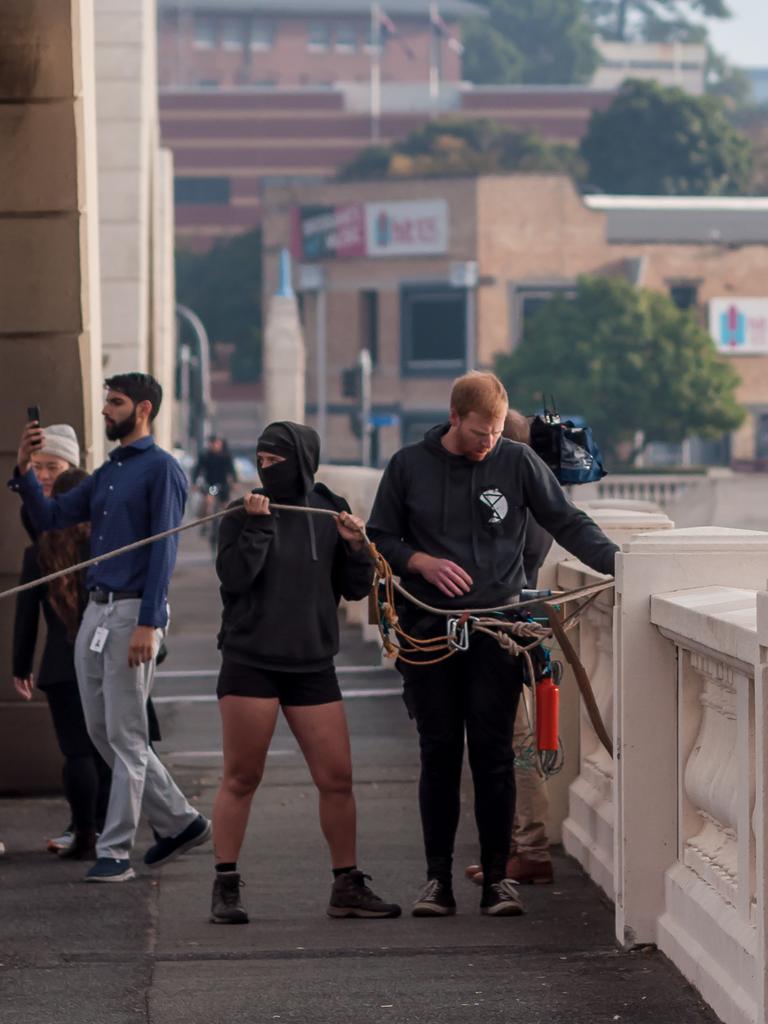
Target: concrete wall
pixel 50 341
pixel 136 226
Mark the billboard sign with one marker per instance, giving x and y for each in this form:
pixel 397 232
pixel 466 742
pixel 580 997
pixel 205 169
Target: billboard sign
pixel 329 232
pixel 418 228
pixel 739 326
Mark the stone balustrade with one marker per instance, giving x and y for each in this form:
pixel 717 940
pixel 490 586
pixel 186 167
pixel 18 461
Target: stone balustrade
pixel 673 828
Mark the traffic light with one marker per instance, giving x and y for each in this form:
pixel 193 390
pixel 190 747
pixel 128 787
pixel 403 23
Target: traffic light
pixel 351 382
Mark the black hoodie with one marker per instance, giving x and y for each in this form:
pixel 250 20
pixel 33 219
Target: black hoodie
pixel 282 575
pixel 475 513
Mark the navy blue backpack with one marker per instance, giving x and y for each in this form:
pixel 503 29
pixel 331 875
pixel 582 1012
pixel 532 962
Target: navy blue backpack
pixel 569 450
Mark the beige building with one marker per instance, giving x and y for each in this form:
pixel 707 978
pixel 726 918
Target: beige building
pixel 433 276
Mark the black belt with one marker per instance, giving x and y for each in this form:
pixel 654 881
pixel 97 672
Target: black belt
pixel 107 596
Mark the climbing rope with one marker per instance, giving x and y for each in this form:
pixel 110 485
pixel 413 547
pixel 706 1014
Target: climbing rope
pixel 517 637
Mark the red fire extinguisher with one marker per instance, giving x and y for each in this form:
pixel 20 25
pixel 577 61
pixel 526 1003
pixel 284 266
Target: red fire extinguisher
pixel 547 713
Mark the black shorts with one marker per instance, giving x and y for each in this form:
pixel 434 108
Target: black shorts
pixel 292 689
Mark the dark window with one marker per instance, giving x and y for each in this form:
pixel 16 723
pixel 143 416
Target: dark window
pixel 527 302
pixel 213 191
pixel 205 32
pixel 416 424
pixel 262 34
pixel 684 295
pixel 318 36
pixel 369 324
pixel 433 330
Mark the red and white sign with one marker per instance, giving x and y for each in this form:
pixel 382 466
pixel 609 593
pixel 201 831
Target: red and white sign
pixel 739 326
pixel 417 228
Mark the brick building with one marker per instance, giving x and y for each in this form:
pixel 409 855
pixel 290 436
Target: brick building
pixel 295 43
pixel 433 276
pixel 257 89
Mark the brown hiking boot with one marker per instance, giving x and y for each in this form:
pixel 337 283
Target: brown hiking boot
pixel 521 869
pixel 530 872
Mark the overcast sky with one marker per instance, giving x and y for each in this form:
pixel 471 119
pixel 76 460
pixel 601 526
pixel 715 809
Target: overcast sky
pixel 744 37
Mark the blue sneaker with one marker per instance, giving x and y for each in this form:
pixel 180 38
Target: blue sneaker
pixel 109 869
pixel 165 850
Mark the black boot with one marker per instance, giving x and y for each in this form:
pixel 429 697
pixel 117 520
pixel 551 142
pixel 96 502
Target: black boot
pixel 226 906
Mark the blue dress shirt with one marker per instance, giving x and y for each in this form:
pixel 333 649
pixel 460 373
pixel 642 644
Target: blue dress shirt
pixel 139 491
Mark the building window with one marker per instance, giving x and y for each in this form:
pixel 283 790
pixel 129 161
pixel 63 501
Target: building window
pixel 205 32
pixel 202 191
pixel 346 37
pixel 262 34
pixel 232 33
pixel 528 299
pixel 416 424
pixel 369 324
pixel 433 330
pixel 208 83
pixel 684 294
pixel 318 36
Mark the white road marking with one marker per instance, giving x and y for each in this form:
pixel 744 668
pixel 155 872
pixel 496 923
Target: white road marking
pixel 193 755
pixel 205 673
pixel 211 698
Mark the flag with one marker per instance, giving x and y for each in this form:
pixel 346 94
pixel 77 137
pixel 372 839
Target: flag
pixel 387 27
pixel 440 27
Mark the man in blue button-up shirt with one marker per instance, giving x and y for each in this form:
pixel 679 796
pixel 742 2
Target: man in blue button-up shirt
pixel 138 492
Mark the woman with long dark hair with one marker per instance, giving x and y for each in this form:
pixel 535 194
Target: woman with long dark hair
pixel 86 776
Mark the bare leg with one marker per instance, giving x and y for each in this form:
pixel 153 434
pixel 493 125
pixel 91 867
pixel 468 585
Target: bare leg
pixel 321 732
pixel 247 727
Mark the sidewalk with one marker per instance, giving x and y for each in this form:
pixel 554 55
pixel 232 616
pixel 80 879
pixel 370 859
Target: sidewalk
pixel 145 952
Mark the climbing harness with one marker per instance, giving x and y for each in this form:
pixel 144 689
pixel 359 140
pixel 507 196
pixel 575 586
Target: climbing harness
pixel 518 636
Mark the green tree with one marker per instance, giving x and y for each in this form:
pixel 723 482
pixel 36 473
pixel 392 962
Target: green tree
pixel 661 141
pixel 489 57
pixel 629 361
pixel 451 148
pixel 549 42
pixel 653 20
pixel 223 286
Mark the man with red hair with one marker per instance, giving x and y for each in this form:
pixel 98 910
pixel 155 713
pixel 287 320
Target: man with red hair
pixel 450 516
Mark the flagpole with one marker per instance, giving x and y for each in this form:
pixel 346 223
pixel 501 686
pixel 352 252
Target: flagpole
pixel 375 73
pixel 434 64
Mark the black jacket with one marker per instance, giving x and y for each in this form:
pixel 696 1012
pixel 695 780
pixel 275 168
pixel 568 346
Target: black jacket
pixel 57 664
pixel 475 514
pixel 282 577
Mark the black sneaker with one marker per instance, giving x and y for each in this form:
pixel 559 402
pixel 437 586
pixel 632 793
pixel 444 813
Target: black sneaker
pixel 351 897
pixel 436 900
pixel 226 906
pixel 501 899
pixel 197 832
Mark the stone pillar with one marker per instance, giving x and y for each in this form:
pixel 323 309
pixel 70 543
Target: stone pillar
pixel 49 296
pixel 284 353
pixel 646 704
pixel 136 210
pixel 162 339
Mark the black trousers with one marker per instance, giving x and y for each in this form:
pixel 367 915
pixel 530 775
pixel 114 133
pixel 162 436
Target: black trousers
pixel 474 693
pixel 85 774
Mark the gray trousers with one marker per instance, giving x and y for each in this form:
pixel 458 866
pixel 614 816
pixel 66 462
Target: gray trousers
pixel 114 699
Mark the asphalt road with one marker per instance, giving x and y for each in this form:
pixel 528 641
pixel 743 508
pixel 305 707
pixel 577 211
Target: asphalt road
pixel 144 951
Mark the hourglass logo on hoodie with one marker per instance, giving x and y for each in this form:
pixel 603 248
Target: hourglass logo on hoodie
pixel 497 503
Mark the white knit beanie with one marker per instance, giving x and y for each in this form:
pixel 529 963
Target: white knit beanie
pixel 61 441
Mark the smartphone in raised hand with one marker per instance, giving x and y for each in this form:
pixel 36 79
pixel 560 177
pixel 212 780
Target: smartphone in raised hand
pixel 33 416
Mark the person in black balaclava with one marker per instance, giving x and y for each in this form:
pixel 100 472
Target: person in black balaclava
pixel 282 575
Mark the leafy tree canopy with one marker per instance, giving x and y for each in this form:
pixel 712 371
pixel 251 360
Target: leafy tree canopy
pixel 654 140
pixel 629 361
pixel 451 148
pixel 654 20
pixel 223 286
pixel 546 42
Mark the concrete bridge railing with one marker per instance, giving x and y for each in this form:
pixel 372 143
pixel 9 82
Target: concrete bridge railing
pixel 673 828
